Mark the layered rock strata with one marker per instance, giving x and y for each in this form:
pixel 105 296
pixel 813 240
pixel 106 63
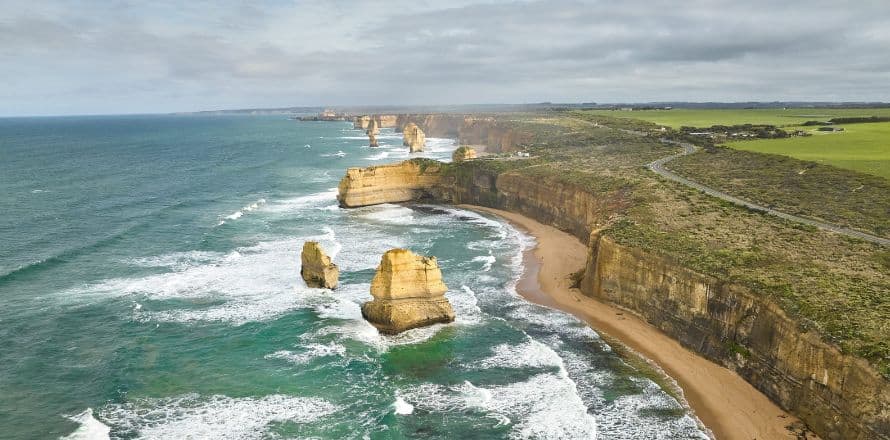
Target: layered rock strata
pixel 400 182
pixel 413 138
pixel 838 396
pixel 408 293
pixel 317 268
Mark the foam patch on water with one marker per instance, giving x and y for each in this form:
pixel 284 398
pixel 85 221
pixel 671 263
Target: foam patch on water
pixel 401 407
pixel 239 213
pixel 215 417
pixel 546 406
pixel 310 352
pixel 379 156
pixel 388 214
pixel 177 260
pixel 89 429
pixel 252 283
pixel 487 259
pixel 298 203
pixel 532 354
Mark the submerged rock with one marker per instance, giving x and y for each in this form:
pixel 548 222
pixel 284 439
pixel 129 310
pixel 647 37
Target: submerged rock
pixel 413 137
pixel 463 153
pixel 408 293
pixel 318 270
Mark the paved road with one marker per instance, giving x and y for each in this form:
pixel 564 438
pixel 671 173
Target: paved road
pixel 658 167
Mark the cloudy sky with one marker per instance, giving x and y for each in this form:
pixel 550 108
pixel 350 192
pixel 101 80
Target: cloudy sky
pixel 121 56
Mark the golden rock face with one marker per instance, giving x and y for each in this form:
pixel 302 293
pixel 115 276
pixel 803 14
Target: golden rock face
pixel 399 182
pixel 413 137
pixel 317 268
pixel 408 293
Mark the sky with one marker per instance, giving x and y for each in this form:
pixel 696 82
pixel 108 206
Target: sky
pixel 118 56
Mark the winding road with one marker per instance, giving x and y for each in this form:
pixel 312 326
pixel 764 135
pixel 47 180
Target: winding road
pixel 657 166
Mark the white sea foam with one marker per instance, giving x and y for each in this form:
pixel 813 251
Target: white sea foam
pixel 387 213
pixel 310 352
pixel 240 213
pixel 379 156
pixel 300 202
pixel 215 417
pixel 487 259
pixel 546 406
pixel 402 407
pixel 529 354
pixel 89 429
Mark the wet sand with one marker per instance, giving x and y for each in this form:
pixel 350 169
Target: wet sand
pixel 730 407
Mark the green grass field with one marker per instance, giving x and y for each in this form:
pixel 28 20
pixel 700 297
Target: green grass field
pixel 860 147
pixel 708 117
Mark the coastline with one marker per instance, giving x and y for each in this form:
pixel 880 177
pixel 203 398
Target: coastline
pixel 726 404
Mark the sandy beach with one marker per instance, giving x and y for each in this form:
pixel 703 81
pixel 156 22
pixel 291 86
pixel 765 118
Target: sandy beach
pixel 729 406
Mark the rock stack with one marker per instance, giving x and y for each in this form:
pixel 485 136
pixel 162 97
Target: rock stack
pixel 408 292
pixel 463 153
pixel 413 137
pixel 373 131
pixel 318 270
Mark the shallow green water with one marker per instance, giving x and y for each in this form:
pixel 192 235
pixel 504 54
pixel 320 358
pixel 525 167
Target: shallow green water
pixel 149 286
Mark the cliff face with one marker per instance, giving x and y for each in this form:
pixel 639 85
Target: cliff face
pixel 408 293
pixel 383 121
pixel 486 134
pixel 838 396
pixel 400 182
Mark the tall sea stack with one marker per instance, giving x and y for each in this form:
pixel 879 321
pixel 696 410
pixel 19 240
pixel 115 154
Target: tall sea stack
pixel 408 293
pixel 317 269
pixel 414 138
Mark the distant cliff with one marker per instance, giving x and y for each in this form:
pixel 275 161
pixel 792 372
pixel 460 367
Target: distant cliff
pixel 839 396
pixel 485 133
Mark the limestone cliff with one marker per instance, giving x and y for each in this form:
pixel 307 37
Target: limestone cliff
pixel 838 396
pixel 400 182
pixel 408 292
pixel 492 135
pixel 413 138
pixel 463 153
pixel 317 269
pixel 383 121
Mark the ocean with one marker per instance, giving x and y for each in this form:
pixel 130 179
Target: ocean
pixel 150 288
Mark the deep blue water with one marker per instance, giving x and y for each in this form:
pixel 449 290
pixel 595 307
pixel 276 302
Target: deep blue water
pixel 149 288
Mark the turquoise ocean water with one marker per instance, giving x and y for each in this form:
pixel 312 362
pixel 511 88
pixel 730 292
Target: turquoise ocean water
pixel 150 288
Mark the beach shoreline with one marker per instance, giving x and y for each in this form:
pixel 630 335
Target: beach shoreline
pixel 726 404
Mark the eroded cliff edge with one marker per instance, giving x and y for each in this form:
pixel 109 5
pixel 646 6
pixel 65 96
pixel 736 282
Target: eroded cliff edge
pixel 839 396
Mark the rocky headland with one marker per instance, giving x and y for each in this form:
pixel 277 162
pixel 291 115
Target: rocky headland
pixel 408 293
pixel 317 268
pixel 838 395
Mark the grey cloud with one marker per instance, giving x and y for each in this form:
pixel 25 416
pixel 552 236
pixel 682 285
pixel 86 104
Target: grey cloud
pixel 188 56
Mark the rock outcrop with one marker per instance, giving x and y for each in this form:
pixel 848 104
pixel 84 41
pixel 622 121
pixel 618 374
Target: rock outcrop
pixel 837 395
pixel 383 121
pixel 408 293
pixel 462 154
pixel 414 138
pixel 372 132
pixel 400 182
pixel 317 269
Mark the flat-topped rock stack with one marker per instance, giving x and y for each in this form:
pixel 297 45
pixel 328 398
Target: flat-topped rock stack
pixel 413 137
pixel 408 293
pixel 317 268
